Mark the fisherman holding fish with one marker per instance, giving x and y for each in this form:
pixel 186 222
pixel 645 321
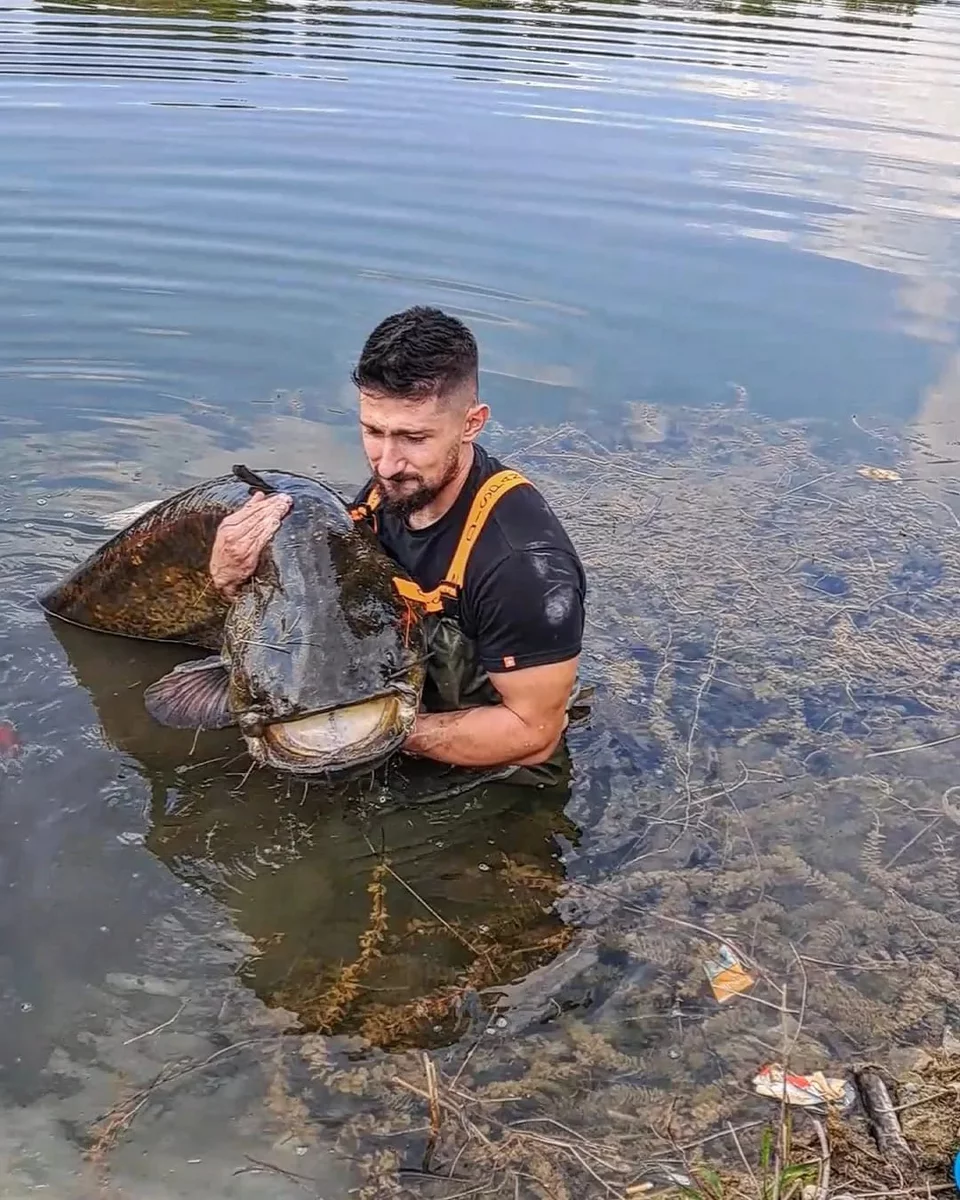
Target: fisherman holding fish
pixel 497 581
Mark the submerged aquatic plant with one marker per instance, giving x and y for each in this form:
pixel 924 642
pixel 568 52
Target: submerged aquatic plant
pixel 771 765
pixel 770 762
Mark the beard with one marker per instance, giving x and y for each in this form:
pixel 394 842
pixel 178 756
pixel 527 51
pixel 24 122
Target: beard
pixel 417 493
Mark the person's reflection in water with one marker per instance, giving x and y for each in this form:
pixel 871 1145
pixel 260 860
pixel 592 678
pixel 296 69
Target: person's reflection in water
pixel 390 951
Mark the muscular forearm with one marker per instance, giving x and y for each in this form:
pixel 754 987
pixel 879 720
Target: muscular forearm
pixel 490 736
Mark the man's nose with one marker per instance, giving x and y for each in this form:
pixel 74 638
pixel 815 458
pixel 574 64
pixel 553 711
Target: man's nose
pixel 391 461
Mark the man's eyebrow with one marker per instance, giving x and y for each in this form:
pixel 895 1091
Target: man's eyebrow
pixel 402 432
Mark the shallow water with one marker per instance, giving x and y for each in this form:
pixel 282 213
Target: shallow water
pixel 203 209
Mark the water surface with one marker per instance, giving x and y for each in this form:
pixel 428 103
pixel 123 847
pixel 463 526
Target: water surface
pixel 203 211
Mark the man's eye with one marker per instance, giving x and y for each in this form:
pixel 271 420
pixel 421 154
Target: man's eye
pixel 416 440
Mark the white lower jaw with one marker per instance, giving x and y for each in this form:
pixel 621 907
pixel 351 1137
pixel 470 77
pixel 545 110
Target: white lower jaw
pixel 339 739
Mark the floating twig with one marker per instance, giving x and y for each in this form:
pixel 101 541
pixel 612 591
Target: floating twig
pixel 157 1028
pixel 919 746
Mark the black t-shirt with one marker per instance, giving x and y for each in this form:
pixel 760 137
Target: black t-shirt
pixel 523 595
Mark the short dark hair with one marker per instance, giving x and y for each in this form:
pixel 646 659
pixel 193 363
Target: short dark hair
pixel 417 353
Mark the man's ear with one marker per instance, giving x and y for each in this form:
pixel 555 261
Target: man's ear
pixel 475 420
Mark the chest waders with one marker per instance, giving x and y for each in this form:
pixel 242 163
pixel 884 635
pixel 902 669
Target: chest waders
pixel 455 677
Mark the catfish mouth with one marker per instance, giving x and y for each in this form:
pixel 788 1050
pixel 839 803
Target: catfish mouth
pixel 338 740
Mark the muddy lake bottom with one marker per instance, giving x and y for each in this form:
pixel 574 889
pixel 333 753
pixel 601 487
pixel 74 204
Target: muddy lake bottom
pixel 518 999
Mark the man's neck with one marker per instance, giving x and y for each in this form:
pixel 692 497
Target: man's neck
pixel 441 504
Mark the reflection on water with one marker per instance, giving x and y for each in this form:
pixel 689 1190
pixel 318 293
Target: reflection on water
pixel 292 861
pixel 631 201
pixel 204 208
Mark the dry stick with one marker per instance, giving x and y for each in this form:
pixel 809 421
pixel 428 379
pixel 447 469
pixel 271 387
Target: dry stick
pixel 800 487
pixel 826 962
pixel 943 504
pixel 586 1146
pixel 743 1157
pixel 410 1087
pixel 686 770
pixel 916 838
pixel 561 1144
pixel 456 1108
pixel 769 1004
pixel 122 1118
pixel 249 770
pixel 260 1164
pixel 712 1137
pixel 548 1121
pixel 914 1191
pixel 782 1149
pixel 434 1101
pixel 576 1148
pixel 823 1184
pixel 953 1091
pixel 463 1066
pixel 455 1163
pixel 157 1028
pixel 480 1189
pixel 563 429
pixel 727 793
pixel 920 746
pixel 756 857
pixel 209 762
pixel 607 1187
pixel 662 818
pixel 950 811
pixel 704 684
pixel 433 912
pixel 663 666
pixel 803 1006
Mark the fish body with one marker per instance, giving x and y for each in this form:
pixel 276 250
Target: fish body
pixel 317 660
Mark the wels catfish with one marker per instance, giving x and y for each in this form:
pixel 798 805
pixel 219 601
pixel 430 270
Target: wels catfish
pixel 318 660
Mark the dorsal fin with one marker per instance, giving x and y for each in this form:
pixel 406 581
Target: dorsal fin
pixel 252 479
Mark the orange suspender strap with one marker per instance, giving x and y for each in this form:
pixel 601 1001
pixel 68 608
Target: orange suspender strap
pixel 493 490
pixel 372 502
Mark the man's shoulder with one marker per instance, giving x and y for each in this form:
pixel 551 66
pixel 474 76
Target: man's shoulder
pixel 522 520
pixel 525 589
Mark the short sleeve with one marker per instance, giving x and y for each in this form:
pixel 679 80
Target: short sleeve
pixel 528 609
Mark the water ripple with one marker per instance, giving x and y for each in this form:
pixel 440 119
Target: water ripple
pixel 224 198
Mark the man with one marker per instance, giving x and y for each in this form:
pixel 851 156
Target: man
pixel 505 638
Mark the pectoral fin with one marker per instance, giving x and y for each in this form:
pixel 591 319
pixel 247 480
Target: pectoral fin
pixel 194 695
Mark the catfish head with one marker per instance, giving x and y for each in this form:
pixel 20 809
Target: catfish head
pixel 321 663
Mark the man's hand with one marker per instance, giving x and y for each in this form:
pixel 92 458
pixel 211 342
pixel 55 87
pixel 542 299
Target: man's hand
pixel 522 731
pixel 241 539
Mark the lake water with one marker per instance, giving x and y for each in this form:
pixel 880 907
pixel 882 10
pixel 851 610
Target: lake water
pixel 204 208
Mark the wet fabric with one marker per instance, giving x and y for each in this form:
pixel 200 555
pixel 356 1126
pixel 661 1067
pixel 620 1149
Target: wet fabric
pixel 522 601
pixel 521 604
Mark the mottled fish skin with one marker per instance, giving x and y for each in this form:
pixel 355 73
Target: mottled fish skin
pixel 320 624
pixel 152 579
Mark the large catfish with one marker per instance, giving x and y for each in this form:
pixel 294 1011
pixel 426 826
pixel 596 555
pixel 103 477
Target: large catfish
pixel 317 660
